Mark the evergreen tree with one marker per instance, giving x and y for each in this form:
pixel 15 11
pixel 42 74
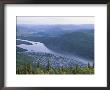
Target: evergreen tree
pixel 93 65
pixel 38 64
pixel 30 68
pixel 62 68
pixel 48 65
pixel 89 65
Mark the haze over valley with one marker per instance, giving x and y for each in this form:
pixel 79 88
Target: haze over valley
pixel 67 45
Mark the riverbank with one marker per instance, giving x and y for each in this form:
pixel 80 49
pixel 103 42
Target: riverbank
pixel 38 47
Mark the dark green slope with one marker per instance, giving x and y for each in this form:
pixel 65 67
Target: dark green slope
pixel 79 42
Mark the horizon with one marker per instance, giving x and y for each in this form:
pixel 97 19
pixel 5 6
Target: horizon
pixel 52 24
pixel 55 20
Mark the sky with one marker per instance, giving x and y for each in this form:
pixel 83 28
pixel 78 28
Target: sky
pixel 54 20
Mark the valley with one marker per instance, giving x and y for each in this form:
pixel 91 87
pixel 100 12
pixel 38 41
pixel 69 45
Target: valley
pixel 55 46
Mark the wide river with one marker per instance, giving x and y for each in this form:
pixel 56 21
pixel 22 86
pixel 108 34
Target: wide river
pixel 40 47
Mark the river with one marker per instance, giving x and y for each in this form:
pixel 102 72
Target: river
pixel 40 47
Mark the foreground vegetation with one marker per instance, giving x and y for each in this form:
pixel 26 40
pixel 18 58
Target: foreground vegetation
pixel 24 65
pixel 28 69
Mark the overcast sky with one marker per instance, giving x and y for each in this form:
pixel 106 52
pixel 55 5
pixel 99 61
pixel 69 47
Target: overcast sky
pixel 55 20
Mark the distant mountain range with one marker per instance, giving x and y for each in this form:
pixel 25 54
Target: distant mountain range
pixel 26 29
